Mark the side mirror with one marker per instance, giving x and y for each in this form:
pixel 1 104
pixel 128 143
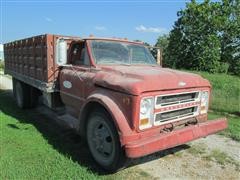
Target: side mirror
pixel 159 57
pixel 61 52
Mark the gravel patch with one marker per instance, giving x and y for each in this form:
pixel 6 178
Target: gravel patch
pixel 192 161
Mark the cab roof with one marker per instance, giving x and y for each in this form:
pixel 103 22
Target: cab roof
pixel 113 39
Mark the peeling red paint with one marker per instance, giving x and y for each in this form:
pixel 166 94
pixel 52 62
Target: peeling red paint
pixel 137 79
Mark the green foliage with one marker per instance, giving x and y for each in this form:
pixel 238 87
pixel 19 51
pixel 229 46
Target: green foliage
pixel 1 64
pixel 205 37
pixel 162 43
pixel 209 55
pixel 231 35
pixel 223 68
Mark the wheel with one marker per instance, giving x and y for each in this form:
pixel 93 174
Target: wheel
pixel 22 99
pixel 14 87
pixel 103 141
pixel 25 95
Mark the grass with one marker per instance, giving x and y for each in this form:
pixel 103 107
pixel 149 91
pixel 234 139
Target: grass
pixel 221 158
pixel 215 155
pixel 226 92
pixel 33 146
pixel 29 149
pixel 197 149
pixel 218 156
pixel 225 101
pixel 233 130
pixel 1 65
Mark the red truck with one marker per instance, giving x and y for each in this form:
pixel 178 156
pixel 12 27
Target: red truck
pixel 123 103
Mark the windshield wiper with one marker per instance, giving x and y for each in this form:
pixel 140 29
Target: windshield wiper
pixel 125 64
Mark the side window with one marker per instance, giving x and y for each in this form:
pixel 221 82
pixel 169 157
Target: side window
pixel 80 55
pixel 75 53
pixel 86 58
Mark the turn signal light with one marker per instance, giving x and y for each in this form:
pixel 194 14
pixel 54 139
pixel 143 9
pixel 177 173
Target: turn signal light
pixel 144 121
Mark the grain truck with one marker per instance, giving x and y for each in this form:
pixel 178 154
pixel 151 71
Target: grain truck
pixel 123 103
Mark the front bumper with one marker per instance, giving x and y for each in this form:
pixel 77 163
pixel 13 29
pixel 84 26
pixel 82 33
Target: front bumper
pixel 167 140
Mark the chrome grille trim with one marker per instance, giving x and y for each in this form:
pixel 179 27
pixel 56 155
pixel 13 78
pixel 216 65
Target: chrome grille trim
pixel 175 107
pixel 193 111
pixel 177 98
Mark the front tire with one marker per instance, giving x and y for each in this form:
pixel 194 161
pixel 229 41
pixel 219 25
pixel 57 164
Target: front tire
pixel 103 141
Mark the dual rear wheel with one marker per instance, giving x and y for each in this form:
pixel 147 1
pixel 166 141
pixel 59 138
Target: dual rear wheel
pixel 26 96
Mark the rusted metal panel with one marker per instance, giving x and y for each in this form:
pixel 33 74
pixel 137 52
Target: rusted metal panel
pixel 151 144
pixel 34 57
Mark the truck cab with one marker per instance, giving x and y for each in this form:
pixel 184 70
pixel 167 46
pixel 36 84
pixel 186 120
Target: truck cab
pixel 128 105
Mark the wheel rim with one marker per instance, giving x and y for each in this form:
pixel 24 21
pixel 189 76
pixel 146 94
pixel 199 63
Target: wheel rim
pixel 19 97
pixel 101 141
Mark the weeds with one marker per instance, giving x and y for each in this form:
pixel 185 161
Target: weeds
pixel 221 158
pixel 197 149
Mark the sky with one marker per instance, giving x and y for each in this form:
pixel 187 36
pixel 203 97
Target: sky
pixel 133 19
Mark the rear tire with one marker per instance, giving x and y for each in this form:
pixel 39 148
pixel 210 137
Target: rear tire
pixel 14 87
pixel 25 95
pixel 103 141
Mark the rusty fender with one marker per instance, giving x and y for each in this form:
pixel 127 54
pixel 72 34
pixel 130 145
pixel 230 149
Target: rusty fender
pixel 114 110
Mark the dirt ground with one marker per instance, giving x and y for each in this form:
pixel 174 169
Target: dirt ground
pixel 214 157
pixel 5 81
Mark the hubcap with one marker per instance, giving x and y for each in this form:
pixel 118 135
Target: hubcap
pixel 101 141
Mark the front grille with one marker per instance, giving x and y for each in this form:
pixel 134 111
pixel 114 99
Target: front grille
pixel 175 115
pixel 174 107
pixel 166 100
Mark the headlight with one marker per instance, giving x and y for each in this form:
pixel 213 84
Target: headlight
pixel 146 112
pixel 204 102
pixel 146 105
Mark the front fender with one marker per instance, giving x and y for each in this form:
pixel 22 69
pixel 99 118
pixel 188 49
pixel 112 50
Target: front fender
pixel 114 110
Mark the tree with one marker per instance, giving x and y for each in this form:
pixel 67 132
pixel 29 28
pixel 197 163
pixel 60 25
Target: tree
pixel 162 43
pixel 205 37
pixel 230 46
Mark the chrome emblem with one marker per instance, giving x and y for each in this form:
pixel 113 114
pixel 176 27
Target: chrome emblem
pixel 181 83
pixel 67 84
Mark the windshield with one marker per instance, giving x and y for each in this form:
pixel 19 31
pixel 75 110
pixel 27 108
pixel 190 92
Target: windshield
pixel 111 52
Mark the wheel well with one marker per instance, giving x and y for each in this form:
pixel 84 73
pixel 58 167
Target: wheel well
pixel 33 89
pixel 90 107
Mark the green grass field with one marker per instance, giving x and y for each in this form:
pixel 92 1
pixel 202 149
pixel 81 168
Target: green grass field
pixel 34 148
pixel 233 130
pixel 226 92
pixel 225 101
pixel 38 148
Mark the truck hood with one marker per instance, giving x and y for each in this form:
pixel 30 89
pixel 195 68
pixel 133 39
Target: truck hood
pixel 138 79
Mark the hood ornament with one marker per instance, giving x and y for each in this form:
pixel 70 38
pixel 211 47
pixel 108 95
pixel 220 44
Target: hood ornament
pixel 182 83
